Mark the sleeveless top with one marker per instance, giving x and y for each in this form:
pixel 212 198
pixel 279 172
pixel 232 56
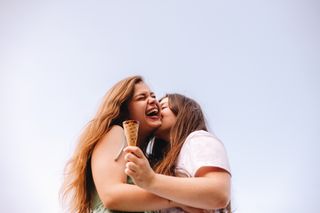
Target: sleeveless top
pixel 97 205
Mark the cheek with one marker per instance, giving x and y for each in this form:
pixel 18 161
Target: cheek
pixel 136 112
pixel 167 122
pixel 172 122
pixel 172 119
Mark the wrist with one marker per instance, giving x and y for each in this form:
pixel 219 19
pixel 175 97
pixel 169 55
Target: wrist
pixel 150 184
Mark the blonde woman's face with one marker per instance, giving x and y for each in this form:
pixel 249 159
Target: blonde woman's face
pixel 168 119
pixel 145 108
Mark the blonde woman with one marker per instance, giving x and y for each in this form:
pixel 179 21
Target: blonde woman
pixel 195 156
pixel 94 177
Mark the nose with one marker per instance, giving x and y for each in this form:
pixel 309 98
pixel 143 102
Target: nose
pixel 152 100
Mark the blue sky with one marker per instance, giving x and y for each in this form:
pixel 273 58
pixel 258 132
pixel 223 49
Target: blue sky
pixel 254 66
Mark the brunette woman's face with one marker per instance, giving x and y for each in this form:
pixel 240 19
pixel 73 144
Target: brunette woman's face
pixel 168 119
pixel 145 108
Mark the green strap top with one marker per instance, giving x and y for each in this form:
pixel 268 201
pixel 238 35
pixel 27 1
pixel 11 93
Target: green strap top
pixel 97 205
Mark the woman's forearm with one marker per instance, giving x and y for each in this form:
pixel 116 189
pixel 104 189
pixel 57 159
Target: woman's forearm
pixel 127 197
pixel 201 192
pixel 210 191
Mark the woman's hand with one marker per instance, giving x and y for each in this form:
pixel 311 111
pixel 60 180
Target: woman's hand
pixel 138 167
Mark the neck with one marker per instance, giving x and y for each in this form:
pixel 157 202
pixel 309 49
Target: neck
pixel 165 135
pixel 167 138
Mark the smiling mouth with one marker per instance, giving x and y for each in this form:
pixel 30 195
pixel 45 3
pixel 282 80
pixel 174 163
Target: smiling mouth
pixel 153 112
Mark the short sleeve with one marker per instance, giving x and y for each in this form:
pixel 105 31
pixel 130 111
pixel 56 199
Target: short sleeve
pixel 202 149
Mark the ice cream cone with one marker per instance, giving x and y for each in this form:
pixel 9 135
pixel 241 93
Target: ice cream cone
pixel 131 128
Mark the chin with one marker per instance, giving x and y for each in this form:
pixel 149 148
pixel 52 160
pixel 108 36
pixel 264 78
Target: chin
pixel 156 124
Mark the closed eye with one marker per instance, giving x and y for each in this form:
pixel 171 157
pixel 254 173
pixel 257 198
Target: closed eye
pixel 140 97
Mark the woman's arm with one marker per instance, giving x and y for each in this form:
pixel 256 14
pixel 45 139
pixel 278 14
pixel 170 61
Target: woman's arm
pixel 210 190
pixel 110 179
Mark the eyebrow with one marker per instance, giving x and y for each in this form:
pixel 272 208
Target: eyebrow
pixel 144 93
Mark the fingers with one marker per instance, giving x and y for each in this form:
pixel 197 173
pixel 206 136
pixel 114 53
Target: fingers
pixel 132 162
pixel 131 169
pixel 135 150
pixel 129 157
pixel 137 166
pixel 129 172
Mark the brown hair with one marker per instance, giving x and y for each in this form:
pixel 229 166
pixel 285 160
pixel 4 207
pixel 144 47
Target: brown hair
pixel 189 119
pixel 78 184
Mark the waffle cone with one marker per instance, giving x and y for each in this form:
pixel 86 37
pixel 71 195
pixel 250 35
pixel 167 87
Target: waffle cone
pixel 131 128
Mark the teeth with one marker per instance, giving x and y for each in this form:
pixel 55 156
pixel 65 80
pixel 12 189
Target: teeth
pixel 152 112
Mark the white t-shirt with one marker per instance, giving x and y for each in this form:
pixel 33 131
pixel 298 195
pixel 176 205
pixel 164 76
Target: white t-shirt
pixel 201 149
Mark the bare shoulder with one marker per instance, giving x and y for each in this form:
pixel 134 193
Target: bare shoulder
pixel 105 170
pixel 115 129
pixel 112 140
pixel 115 134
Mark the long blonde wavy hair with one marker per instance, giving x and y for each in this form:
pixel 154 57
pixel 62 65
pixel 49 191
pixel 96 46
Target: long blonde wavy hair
pixel 78 187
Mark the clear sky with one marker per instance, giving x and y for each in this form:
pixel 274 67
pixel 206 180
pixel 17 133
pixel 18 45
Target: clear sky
pixel 254 66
